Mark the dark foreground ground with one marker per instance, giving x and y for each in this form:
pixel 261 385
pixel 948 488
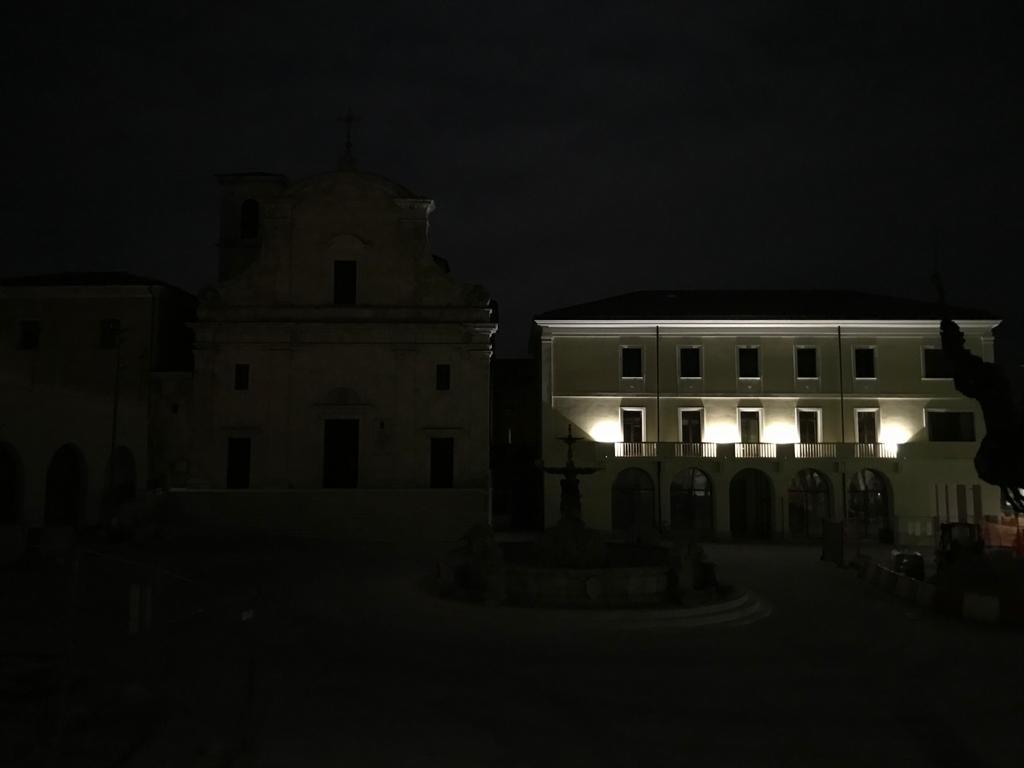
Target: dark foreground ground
pixel 348 660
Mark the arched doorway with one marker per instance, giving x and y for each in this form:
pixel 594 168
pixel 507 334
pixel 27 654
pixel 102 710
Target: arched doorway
pixel 632 500
pixel 692 510
pixel 12 486
pixel 65 487
pixel 121 482
pixel 122 476
pixel 871 502
pixel 750 505
pixel 810 502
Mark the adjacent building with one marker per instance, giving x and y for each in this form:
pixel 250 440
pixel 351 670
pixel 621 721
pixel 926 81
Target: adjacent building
pixel 763 414
pixel 94 375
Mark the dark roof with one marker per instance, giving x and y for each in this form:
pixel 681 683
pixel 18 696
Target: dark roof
pixel 83 278
pixel 758 305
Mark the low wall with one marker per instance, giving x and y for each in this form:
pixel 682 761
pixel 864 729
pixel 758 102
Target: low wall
pixel 435 514
pixel 586 587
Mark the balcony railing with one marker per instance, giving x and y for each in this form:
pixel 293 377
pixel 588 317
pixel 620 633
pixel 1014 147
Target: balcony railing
pixel 874 450
pixel 755 450
pixel 815 450
pixel 781 451
pixel 695 450
pixel 636 450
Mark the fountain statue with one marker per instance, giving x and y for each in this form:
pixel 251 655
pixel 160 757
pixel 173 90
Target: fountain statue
pixel 569 505
pixel 1000 457
pixel 569 542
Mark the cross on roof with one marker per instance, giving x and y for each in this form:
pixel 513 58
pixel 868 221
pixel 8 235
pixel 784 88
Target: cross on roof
pixel 346 161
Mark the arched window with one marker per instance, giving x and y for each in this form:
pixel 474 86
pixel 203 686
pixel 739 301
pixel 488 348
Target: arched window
pixel 250 220
pixel 11 486
pixel 632 500
pixel 691 506
pixel 810 502
pixel 750 505
pixel 870 502
pixel 65 487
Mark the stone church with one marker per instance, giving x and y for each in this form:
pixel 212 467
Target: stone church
pixel 341 370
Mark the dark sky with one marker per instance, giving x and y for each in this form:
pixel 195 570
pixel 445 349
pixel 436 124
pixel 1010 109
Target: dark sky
pixel 575 150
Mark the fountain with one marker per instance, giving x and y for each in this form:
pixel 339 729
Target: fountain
pixel 571 565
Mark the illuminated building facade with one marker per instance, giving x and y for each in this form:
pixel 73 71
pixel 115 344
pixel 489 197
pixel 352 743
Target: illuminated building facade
pixel 760 414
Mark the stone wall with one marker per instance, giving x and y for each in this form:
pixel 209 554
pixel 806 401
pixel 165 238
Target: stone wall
pixel 442 515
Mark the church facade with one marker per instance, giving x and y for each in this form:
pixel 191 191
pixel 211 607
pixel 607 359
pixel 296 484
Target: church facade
pixel 763 415
pixel 341 371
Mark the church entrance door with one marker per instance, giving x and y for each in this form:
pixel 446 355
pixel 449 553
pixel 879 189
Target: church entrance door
pixel 341 453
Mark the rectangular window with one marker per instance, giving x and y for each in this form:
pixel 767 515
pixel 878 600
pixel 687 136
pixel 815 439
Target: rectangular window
pixel 750 426
pixel 241 376
pixel 443 377
pixel 864 363
pixel 809 423
pixel 936 365
pixel 806 363
pixel 749 362
pixel 867 426
pixel 689 363
pixel 344 282
pixel 632 363
pixel 632 425
pixel 29 332
pixel 341 453
pixel 239 462
pixel 110 332
pixel 690 425
pixel 442 462
pixel 950 426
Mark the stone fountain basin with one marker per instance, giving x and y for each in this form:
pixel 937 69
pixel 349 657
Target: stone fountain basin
pixel 608 587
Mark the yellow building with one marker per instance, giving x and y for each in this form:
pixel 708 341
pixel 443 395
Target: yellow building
pixel 759 414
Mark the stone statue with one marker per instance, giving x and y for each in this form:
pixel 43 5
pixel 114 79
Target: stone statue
pixel 1000 458
pixel 569 542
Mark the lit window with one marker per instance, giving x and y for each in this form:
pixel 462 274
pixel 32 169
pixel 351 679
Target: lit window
pixel 632 425
pixel 689 363
pixel 344 282
pixel 242 376
pixel 442 462
pixel 749 362
pixel 809 425
pixel 867 426
pixel 29 332
pixel 950 426
pixel 806 363
pixel 110 330
pixel 690 425
pixel 249 221
pixel 632 363
pixel 864 362
pixel 443 377
pixel 936 365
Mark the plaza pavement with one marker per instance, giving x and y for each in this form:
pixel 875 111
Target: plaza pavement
pixel 354 662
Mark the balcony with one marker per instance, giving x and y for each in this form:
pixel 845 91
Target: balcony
pixel 777 451
pixel 637 450
pixel 695 450
pixel 874 451
pixel 815 450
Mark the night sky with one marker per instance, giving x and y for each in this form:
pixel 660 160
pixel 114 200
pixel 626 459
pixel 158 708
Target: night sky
pixel 575 150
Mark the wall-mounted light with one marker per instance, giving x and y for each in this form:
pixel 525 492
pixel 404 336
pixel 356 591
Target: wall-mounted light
pixel 606 431
pixel 781 432
pixel 721 432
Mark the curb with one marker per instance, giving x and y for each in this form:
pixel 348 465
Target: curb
pixel 970 606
